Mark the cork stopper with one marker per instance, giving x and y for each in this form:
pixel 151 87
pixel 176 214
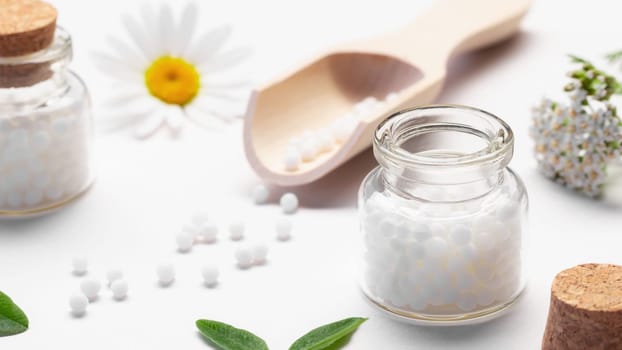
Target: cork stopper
pixel 586 309
pixel 26 26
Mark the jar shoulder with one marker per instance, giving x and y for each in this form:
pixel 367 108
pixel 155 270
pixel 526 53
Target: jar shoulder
pixel 375 191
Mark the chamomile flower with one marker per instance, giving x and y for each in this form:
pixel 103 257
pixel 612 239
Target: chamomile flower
pixel 164 75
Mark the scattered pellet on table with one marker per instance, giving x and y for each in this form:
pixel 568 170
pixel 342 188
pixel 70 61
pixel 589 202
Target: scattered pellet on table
pixel 208 232
pixel 244 257
pixel 184 242
pixel 289 203
pixel 199 218
pixel 90 288
pixel 113 275
pixel 78 304
pixel 260 194
pixel 236 230
pixel 190 228
pixel 260 253
pixel 79 266
pixel 119 289
pixel 210 275
pixel 166 274
pixel 283 229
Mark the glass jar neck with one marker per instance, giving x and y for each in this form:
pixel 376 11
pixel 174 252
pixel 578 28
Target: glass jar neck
pixel 443 153
pixel 28 80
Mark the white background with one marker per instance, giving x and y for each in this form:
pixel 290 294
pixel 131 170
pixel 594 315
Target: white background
pixel 146 190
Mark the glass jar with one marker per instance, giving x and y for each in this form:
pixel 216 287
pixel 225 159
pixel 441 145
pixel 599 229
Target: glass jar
pixel 45 131
pixel 443 217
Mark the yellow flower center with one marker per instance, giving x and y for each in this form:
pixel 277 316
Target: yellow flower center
pixel 172 80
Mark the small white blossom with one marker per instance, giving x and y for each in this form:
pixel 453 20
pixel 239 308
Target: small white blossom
pixel 572 146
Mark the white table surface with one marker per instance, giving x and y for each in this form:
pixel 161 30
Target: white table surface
pixel 146 190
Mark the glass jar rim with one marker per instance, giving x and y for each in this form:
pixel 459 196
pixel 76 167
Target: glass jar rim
pixel 389 132
pixel 59 49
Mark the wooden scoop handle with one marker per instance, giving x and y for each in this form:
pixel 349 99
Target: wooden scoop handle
pixel 449 27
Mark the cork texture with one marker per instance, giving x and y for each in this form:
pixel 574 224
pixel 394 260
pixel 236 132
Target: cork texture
pixel 586 309
pixel 23 75
pixel 26 26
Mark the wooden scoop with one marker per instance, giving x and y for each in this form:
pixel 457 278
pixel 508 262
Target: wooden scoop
pixel 411 61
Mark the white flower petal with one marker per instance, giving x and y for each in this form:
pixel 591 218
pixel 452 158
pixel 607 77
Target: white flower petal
pixel 125 95
pixel 202 118
pixel 212 82
pixel 128 114
pixel 221 107
pixel 175 118
pixel 133 102
pixel 208 44
pixel 127 54
pixel 185 29
pixel 166 29
pixel 140 37
pixel 149 125
pixel 226 60
pixel 150 24
pixel 109 63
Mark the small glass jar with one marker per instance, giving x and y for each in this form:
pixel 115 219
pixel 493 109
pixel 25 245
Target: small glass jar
pixel 443 217
pixel 45 131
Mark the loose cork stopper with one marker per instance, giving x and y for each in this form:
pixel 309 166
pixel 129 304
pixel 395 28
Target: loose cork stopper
pixel 26 26
pixel 586 309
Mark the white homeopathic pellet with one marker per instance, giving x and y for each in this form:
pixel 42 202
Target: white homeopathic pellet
pixel 190 228
pixel 90 288
pixel 210 275
pixel 184 242
pixel 289 203
pixel 292 159
pixel 236 230
pixel 308 151
pixel 200 217
pixel 260 253
pixel 325 139
pixel 208 232
pixel 461 235
pixel 113 275
pixel 283 229
pixel 79 265
pixel 391 97
pixel 244 257
pixel 460 262
pixel 261 194
pixel 119 289
pixel 78 304
pixel 166 273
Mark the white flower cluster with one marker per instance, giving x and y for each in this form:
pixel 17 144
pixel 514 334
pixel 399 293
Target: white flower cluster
pixel 574 142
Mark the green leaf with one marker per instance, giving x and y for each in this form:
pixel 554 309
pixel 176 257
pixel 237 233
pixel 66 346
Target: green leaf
pixel 227 337
pixel 12 318
pixel 577 59
pixel 324 336
pixel 614 56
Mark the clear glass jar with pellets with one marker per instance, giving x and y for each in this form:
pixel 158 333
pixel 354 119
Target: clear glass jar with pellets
pixel 443 217
pixel 45 113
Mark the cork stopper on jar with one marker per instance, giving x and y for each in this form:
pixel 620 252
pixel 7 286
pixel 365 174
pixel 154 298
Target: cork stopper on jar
pixel 26 26
pixel 586 309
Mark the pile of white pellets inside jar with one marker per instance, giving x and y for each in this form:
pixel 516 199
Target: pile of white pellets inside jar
pixel 200 229
pixel 312 143
pixel 44 160
pixel 452 261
